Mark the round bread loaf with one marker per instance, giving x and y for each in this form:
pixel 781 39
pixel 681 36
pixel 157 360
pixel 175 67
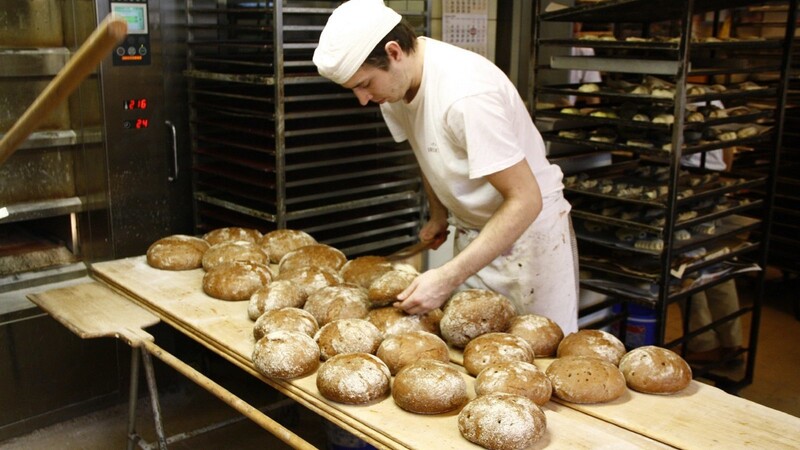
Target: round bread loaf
pixel 474 312
pixel 347 336
pixel 542 334
pixel 399 350
pixel 597 343
pixel 285 355
pixel 353 378
pixel 364 270
pixel 177 252
pixel 236 281
pixel 310 278
pixel 655 370
pixel 276 295
pixel 318 255
pixel 280 242
pixel 428 386
pixel 385 289
pixel 343 301
pixel 502 422
pixel 286 319
pixel 585 379
pixel 230 251
pixel 515 377
pixel 391 320
pixel 495 347
pixel 226 234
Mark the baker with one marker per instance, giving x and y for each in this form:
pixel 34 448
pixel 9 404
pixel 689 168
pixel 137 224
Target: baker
pixel 482 160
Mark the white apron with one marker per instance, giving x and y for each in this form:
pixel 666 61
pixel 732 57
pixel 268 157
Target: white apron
pixel 539 274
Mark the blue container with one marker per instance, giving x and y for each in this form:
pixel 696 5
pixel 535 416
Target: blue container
pixel 339 439
pixel 640 328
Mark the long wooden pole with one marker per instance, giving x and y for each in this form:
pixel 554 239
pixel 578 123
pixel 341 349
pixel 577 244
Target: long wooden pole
pixel 88 56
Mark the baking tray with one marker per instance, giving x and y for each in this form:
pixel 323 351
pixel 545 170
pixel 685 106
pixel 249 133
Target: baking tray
pixel 635 11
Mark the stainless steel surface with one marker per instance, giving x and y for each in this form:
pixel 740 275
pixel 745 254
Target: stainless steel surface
pixel 277 146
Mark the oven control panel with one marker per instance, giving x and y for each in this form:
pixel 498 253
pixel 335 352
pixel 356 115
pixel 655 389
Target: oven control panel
pixel 134 50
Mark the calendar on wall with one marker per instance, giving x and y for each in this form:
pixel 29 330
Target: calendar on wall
pixel 465 24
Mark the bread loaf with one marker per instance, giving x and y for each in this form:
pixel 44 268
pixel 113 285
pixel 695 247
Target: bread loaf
pixel 280 242
pixel 585 379
pixel 343 301
pixel 285 355
pixel 363 270
pixel 226 234
pixel 310 278
pixel 427 386
pixel 502 422
pixel 230 251
pixel 177 252
pixel 347 336
pixel 236 281
pixel 276 295
pixel 353 378
pixel 495 347
pixel 286 319
pixel 391 320
pixel 385 289
pixel 474 312
pixel 597 343
pixel 514 377
pixel 655 370
pixel 542 334
pixel 399 350
pixel 317 255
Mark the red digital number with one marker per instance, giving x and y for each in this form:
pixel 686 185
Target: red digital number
pixel 142 123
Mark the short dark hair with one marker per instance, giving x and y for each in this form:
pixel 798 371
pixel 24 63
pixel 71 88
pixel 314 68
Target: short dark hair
pixel 403 34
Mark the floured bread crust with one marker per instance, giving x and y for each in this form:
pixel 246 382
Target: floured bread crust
pixel 473 312
pixel 343 301
pixel 515 377
pixel 286 319
pixel 177 252
pixel 542 333
pixel 285 355
pixel 585 379
pixel 310 278
pixel 319 255
pixel 502 422
pixel 230 251
pixel 363 270
pixel 428 386
pixel 236 281
pixel 276 295
pixel 385 289
pixel 391 320
pixel 496 347
pixel 655 370
pixel 347 336
pixel 353 378
pixel 280 242
pixel 596 343
pixel 399 350
pixel 226 234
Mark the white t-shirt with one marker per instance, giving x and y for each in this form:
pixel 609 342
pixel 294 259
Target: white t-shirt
pixel 468 121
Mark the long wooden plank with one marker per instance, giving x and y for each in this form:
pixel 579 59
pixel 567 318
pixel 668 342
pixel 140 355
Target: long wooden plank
pixel 224 327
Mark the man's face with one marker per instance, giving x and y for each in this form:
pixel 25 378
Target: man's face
pixel 371 84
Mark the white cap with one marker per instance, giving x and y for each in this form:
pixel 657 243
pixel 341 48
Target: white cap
pixel 352 32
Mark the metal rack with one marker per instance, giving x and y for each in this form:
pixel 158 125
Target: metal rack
pixel 651 229
pixel 277 146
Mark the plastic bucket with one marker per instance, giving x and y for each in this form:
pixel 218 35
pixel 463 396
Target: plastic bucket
pixel 640 329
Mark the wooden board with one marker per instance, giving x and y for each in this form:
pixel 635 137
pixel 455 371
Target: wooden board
pixel 225 327
pixel 93 310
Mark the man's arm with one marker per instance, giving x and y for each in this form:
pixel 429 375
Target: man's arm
pixel 522 203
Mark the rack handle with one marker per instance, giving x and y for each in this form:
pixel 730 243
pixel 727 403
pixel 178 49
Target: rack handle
pixel 174 134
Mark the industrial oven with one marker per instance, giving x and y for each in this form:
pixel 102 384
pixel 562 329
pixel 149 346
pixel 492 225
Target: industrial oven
pixel 106 174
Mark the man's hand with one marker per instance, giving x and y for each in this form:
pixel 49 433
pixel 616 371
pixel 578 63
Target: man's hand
pixel 428 291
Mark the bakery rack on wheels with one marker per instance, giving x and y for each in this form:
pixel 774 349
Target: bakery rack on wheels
pixel 275 145
pixel 652 230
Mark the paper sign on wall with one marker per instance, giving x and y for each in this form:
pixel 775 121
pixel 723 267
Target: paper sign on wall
pixel 465 24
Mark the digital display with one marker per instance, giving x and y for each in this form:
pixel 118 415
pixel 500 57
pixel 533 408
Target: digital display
pixel 134 103
pixel 133 13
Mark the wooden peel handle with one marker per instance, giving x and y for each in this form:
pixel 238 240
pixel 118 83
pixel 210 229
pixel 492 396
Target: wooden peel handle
pixel 97 46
